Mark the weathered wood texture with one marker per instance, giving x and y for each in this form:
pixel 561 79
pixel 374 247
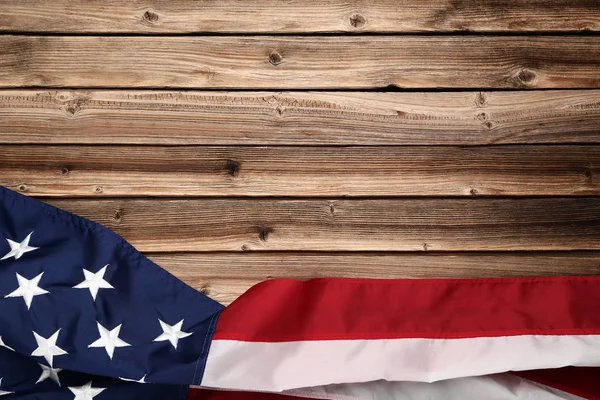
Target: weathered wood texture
pixel 514 170
pixel 352 225
pixel 253 182
pixel 276 16
pixel 225 276
pixel 301 62
pixel 306 118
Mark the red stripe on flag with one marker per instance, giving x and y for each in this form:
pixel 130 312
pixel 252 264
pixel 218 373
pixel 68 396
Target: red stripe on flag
pixel 340 309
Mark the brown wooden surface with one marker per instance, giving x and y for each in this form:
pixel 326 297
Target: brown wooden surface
pixel 293 118
pixel 349 225
pixel 276 16
pixel 514 170
pixel 238 142
pixel 225 276
pixel 309 62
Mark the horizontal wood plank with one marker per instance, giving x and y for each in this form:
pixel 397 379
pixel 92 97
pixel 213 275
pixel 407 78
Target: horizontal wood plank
pixel 276 16
pixel 311 118
pixel 327 62
pixel 225 276
pixel 514 170
pixel 169 225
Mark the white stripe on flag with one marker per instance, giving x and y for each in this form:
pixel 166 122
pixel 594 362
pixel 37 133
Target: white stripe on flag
pixel 273 366
pixel 489 387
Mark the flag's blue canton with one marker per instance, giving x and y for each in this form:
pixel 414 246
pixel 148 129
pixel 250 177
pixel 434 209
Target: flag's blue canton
pixel 78 304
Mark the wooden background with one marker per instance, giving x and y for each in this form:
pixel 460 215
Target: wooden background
pixel 235 142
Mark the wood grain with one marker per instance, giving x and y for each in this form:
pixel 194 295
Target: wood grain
pixel 328 62
pixel 513 170
pixel 352 225
pixel 276 16
pixel 308 118
pixel 225 276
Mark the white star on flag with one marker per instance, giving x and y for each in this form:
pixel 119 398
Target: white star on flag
pixel 172 333
pixel 2 392
pixel 18 249
pixel 49 372
pixel 86 392
pixel 47 348
pixel 94 281
pixel 109 340
pixel 28 288
pixel 142 380
pixel 2 344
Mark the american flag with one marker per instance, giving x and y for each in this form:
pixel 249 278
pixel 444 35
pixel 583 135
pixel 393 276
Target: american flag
pixel 84 315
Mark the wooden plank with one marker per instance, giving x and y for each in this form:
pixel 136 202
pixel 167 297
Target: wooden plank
pixel 514 170
pixel 224 276
pixel 312 118
pixel 276 16
pixel 367 224
pixel 331 62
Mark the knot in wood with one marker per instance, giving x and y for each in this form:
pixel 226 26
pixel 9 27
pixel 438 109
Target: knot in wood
pixel 526 77
pixel 232 168
pixel 23 188
pixel 150 16
pixel 275 58
pixel 64 96
pixel 73 108
pixel 263 233
pixel 118 215
pixel 331 208
pixel 482 116
pixel 480 99
pixel 357 21
pixel 205 289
